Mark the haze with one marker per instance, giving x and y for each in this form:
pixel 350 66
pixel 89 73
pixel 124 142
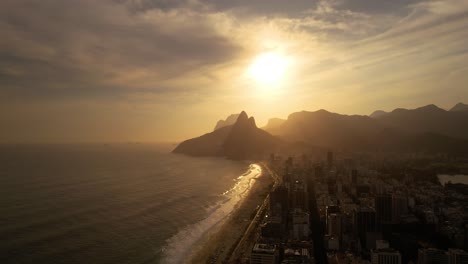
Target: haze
pixel 142 70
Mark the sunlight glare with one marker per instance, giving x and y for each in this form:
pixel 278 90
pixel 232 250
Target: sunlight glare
pixel 268 68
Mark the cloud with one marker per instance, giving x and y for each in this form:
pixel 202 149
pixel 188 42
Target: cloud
pixel 377 6
pixel 68 47
pixel 149 56
pixel 111 48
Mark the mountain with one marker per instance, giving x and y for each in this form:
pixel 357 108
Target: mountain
pixel 273 124
pixel 242 140
pixel 325 129
pixel 428 119
pixel 378 113
pixel 353 132
pixel 209 144
pixel 425 129
pixel 230 120
pixel 459 107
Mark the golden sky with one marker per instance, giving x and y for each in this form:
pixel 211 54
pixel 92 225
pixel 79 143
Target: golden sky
pixel 161 70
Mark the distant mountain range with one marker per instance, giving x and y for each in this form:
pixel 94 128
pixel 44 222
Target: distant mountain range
pixel 425 129
pixel 428 119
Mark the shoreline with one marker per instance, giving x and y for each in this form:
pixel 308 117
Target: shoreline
pixel 223 238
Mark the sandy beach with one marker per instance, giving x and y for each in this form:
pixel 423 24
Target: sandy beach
pixel 218 245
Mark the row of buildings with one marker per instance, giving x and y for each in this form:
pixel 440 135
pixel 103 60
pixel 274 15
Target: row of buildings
pixel 326 212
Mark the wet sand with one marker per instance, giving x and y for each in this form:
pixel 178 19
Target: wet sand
pixel 220 242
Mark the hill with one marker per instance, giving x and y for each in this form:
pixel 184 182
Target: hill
pixel 353 132
pixel 378 113
pixel 459 107
pixel 273 124
pixel 428 119
pixel 242 140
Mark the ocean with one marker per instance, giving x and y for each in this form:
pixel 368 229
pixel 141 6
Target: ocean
pixel 128 203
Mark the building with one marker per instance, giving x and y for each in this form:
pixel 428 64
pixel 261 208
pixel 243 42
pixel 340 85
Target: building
pixel 383 209
pixel 334 225
pixel 332 243
pixel 298 255
pixel 318 172
pixel 385 256
pixel 432 256
pixel 457 256
pixel 300 225
pixel 264 254
pixel 279 204
pixel 364 223
pixel 331 209
pixel 298 197
pixel 399 208
pixel 381 244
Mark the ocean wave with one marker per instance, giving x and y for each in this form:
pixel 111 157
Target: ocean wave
pixel 180 247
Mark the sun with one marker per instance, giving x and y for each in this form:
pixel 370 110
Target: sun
pixel 268 68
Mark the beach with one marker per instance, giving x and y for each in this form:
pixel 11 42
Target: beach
pixel 222 239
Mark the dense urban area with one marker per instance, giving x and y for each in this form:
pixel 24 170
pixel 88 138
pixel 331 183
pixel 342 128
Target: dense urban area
pixel 333 210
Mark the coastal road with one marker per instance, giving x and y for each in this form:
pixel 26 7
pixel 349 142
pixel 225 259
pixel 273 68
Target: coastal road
pixel 245 244
pixel 273 174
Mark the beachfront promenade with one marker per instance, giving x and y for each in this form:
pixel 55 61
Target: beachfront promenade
pixel 242 249
pixel 242 252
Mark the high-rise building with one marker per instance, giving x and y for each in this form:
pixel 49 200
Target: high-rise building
pixel 399 208
pixel 383 209
pixel 385 256
pixel 334 225
pixel 331 209
pixel 390 208
pixel 278 205
pixel 364 222
pixel 457 256
pixel 264 254
pixel 318 171
pixel 300 224
pixel 432 256
pixel 298 196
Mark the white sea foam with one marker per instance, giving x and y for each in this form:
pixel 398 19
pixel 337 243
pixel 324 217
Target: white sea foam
pixel 179 247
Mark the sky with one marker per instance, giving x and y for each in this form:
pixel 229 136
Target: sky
pixel 167 70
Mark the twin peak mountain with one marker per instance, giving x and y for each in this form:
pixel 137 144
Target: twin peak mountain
pixel 427 129
pixel 236 138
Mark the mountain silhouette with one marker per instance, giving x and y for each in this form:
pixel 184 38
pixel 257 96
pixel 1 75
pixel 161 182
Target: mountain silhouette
pixel 378 113
pixel 353 132
pixel 273 124
pixel 230 120
pixel 324 129
pixel 428 119
pixel 242 140
pixel 459 107
pixel 425 129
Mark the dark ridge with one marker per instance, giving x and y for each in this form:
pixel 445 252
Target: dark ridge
pixel 460 107
pixel 242 140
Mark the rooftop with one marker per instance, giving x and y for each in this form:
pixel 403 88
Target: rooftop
pixel 265 248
